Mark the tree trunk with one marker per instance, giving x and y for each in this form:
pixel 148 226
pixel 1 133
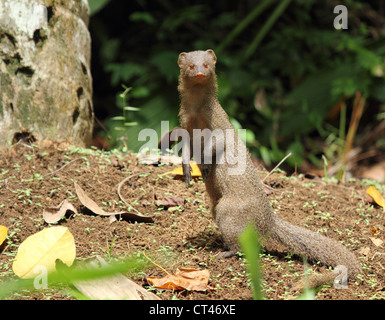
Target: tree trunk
pixel 45 78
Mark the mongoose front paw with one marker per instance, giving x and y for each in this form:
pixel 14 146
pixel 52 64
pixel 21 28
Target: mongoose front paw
pixel 187 173
pixel 205 170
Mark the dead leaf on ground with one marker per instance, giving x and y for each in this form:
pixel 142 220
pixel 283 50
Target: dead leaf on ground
pixel 364 251
pixel 115 287
pixel 54 214
pixel 169 201
pixel 377 242
pixel 94 207
pixel 184 279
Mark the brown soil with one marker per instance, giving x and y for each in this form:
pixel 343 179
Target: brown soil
pixel 31 179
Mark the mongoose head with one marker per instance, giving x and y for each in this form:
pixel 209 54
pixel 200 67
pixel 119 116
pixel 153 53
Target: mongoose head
pixel 197 66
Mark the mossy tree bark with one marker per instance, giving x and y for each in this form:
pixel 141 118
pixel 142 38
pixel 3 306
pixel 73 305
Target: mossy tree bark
pixel 45 78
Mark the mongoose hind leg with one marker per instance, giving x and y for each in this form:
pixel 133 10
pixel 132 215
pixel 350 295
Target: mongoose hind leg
pixel 231 219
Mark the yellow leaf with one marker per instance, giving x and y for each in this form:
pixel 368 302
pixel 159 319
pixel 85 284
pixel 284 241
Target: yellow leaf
pixel 3 234
pixel 196 172
pixel 43 249
pixel 376 195
pixel 177 171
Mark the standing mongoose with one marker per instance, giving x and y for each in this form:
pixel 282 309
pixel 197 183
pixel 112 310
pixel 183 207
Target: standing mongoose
pixel 237 197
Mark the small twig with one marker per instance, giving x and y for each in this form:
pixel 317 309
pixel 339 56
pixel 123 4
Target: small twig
pixel 5 249
pixel 52 173
pixel 100 123
pixel 287 156
pixel 358 107
pixel 20 142
pixel 120 195
pixel 208 243
pixel 154 263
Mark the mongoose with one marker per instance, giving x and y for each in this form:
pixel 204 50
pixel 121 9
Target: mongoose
pixel 239 199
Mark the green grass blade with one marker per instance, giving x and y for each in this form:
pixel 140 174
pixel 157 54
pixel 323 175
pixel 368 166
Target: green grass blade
pixel 250 246
pixel 64 275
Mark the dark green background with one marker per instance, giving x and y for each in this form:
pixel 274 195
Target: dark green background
pixel 282 67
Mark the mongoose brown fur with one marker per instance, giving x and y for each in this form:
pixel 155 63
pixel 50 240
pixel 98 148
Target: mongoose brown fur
pixel 239 199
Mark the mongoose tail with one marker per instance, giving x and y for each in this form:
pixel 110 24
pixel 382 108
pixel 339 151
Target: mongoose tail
pixel 315 247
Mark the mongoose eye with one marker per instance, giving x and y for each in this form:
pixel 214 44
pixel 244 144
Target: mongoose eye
pixel 192 66
pixel 205 65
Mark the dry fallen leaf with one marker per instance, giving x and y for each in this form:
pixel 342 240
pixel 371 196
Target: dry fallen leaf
pixel 364 251
pixel 94 207
pixel 169 201
pixel 43 249
pixel 377 242
pixel 376 195
pixel 54 214
pixel 184 278
pixel 3 234
pixel 112 287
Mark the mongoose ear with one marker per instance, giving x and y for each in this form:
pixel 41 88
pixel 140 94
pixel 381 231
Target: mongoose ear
pixel 181 59
pixel 212 53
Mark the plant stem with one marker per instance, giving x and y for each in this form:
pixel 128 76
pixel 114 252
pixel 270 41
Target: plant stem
pixel 243 24
pixel 265 28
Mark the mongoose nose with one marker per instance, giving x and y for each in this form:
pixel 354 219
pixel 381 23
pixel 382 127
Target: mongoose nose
pixel 199 74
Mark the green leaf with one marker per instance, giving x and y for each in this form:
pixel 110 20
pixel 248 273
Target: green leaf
pixel 123 72
pixel 130 124
pixel 64 276
pixel 165 61
pixel 97 5
pixel 118 118
pixel 128 108
pixel 141 92
pixel 143 16
pixel 265 154
pixel 248 241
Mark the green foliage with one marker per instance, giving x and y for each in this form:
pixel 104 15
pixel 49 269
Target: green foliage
pixel 65 276
pixel 126 109
pixel 97 5
pixel 282 67
pixel 250 246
